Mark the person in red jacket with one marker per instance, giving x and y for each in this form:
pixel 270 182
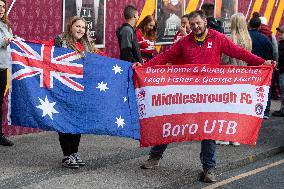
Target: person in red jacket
pixel 184 28
pixel 201 46
pixel 146 34
pixel 204 46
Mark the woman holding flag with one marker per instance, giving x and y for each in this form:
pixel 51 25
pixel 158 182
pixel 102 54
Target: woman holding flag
pixel 76 38
pixel 5 37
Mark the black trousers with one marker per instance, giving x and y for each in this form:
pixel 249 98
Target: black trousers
pixel 3 82
pixel 69 143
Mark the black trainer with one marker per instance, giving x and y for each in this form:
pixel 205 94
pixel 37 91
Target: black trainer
pixel 5 142
pixel 70 162
pixel 78 159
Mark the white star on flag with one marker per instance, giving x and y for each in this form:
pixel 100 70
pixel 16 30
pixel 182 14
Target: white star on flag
pixel 102 86
pixel 117 69
pixel 124 99
pixel 47 107
pixel 120 122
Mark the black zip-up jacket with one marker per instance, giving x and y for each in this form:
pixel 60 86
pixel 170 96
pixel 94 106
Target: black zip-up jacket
pixel 128 45
pixel 281 56
pixel 215 24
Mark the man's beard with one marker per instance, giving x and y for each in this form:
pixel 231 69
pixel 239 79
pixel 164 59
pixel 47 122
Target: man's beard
pixel 202 33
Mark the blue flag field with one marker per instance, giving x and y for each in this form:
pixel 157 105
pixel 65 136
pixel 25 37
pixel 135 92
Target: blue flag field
pixel 57 89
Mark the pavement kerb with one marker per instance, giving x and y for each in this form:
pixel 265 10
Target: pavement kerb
pixel 193 176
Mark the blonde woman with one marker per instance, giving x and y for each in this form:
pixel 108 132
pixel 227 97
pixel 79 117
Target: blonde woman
pixel 240 36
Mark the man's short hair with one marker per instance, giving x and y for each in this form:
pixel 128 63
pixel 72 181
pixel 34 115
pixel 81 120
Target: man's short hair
pixel 255 23
pixel 197 13
pixel 208 9
pixel 129 12
pixel 186 16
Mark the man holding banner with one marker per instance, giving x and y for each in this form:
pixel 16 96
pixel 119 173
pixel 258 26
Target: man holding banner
pixel 202 46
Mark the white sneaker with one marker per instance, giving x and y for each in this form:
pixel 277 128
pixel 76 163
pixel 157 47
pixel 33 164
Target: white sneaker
pixel 70 162
pixel 236 144
pixel 78 159
pixel 265 117
pixel 220 142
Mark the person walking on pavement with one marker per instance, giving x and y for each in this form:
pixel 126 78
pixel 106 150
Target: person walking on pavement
pixel 201 46
pixel 5 37
pixel 280 113
pixel 128 45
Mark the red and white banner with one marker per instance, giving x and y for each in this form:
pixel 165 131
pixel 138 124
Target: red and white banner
pixel 197 102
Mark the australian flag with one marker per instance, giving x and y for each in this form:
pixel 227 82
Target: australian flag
pixel 58 89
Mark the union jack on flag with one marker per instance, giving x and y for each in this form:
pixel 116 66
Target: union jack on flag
pixel 71 103
pixel 47 63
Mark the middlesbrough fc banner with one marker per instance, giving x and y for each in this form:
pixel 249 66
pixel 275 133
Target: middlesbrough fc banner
pixel 57 89
pixel 197 102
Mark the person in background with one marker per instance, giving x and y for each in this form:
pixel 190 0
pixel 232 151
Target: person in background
pixel 240 36
pixel 183 31
pixel 201 46
pixel 265 30
pixel 146 34
pixel 262 47
pixel 275 87
pixel 76 38
pixel 184 28
pixel 128 45
pixel 5 37
pixel 212 22
pixel 280 113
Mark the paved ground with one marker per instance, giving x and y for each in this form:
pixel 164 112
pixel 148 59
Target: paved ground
pixel 262 174
pixel 113 162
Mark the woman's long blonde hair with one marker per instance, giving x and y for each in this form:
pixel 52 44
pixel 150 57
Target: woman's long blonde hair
pixel 85 40
pixel 239 31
